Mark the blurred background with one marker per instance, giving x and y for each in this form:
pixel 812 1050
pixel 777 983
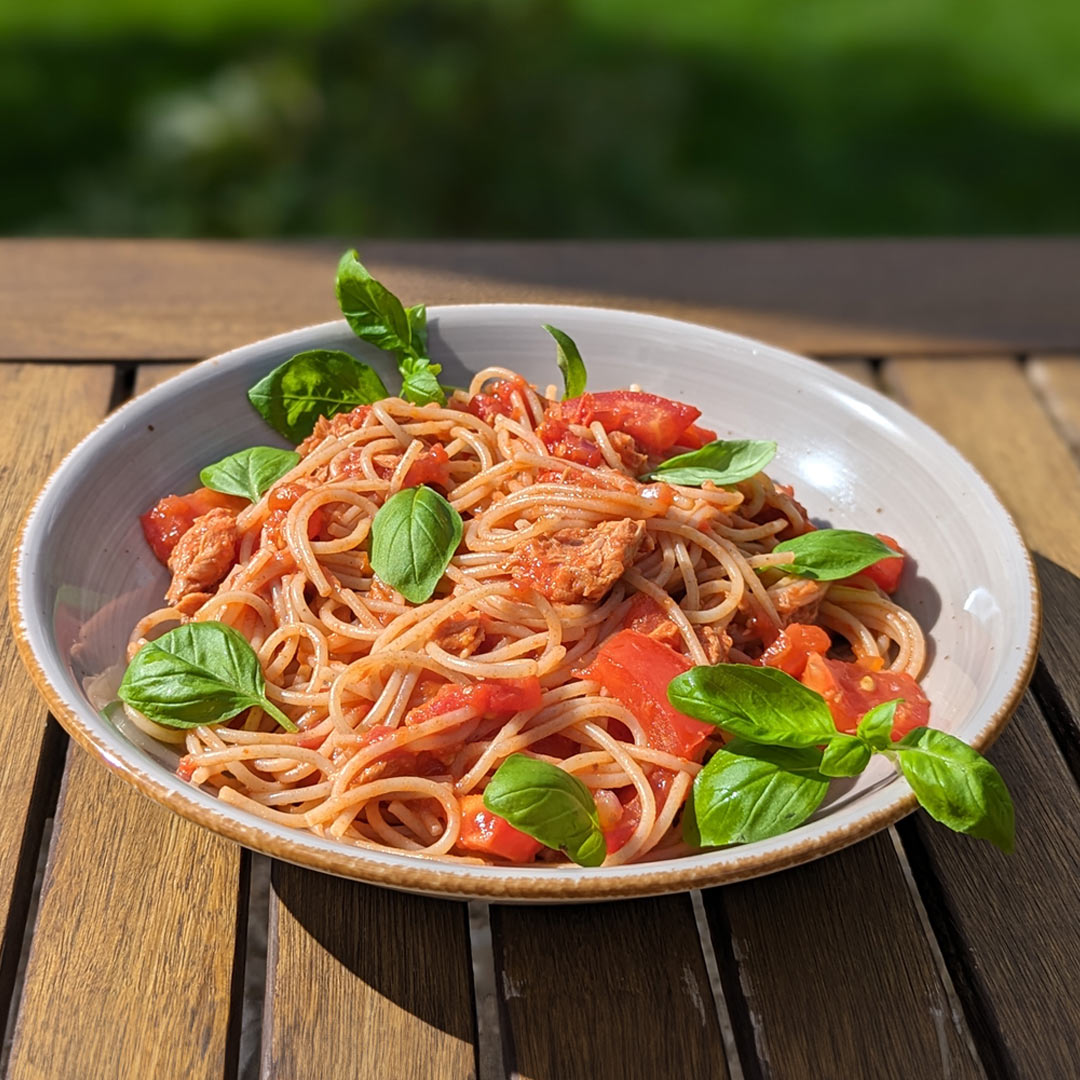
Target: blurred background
pixel 539 118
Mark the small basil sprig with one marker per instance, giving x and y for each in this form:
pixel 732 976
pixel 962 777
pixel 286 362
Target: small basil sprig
pixel 829 554
pixel 725 461
pixel 198 673
pixel 549 805
pixel 413 538
pixel 782 725
pixel 570 363
pixel 377 316
pixel 251 472
pixel 319 382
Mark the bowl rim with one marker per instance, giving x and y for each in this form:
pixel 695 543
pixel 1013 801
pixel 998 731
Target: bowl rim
pixel 502 883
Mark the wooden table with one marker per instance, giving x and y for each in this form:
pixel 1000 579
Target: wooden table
pixel 914 954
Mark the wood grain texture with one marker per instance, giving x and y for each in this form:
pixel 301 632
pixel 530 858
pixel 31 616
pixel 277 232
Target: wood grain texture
pixel 65 402
pixel 131 967
pixel 605 992
pixel 363 983
pixel 829 971
pixel 989 411
pixel 148 375
pixel 138 299
pixel 1057 378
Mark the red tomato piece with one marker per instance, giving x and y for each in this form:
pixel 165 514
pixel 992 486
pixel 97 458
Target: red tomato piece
pixel 793 646
pixel 850 690
pixel 431 467
pixel 616 835
pixel 498 400
pixel 655 422
pixel 635 670
pixel 483 831
pixel 172 516
pixel 694 437
pixel 497 699
pixel 281 501
pixel 563 443
pixel 885 573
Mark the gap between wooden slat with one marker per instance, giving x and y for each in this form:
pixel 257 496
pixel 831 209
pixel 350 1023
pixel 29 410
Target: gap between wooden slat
pixel 1057 381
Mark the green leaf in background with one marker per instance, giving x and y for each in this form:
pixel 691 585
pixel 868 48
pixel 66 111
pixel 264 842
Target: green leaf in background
pixel 570 363
pixel 844 756
pixel 319 382
pixel 875 728
pixel 829 554
pixel 725 461
pixel 549 805
pixel 750 792
pixel 372 310
pixel 198 673
pixel 251 472
pixel 413 538
pixel 758 703
pixel 418 382
pixel 957 786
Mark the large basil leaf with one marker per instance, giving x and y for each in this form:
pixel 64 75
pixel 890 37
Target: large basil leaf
pixel 570 363
pixel 957 786
pixel 725 461
pixel 750 792
pixel 758 703
pixel 413 538
pixel 417 317
pixel 829 554
pixel 249 473
pixel 319 382
pixel 549 805
pixel 370 308
pixel 198 673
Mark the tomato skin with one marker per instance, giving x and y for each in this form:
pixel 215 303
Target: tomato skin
pixel 695 437
pixel 886 573
pixel 656 423
pixel 850 690
pixel 498 699
pixel 792 648
pixel 635 670
pixel 431 467
pixel 172 516
pixel 483 831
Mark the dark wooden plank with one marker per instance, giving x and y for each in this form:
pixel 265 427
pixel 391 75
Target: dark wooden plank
pixel 131 967
pixel 364 982
pixel 128 299
pixel 829 970
pixel 65 402
pixel 605 991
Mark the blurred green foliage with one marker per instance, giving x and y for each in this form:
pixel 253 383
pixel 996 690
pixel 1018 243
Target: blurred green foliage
pixel 539 117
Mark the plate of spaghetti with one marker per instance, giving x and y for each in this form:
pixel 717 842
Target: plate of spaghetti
pixel 529 602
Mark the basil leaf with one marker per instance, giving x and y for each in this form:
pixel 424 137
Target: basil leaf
pixel 725 461
pixel 549 805
pixel 198 673
pixel 418 382
pixel 758 703
pixel 413 538
pixel 875 728
pixel 750 792
pixel 319 382
pixel 249 473
pixel 829 554
pixel 417 319
pixel 570 363
pixel 372 310
pixel 844 756
pixel 957 786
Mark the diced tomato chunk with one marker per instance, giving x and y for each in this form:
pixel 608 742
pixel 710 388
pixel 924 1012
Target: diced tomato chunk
pixel 563 443
pixel 483 831
pixel 886 573
pixel 850 690
pixel 793 646
pixel 171 517
pixel 431 467
pixel 281 501
pixel 497 400
pixel 497 699
pixel 694 437
pixel 616 835
pixel 655 422
pixel 635 670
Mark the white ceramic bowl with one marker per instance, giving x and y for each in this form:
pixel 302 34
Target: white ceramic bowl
pixel 83 575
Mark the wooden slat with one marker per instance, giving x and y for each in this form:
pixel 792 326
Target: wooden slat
pixel 1058 380
pixel 148 375
pixel 830 972
pixel 64 402
pixel 605 991
pixel 364 982
pixel 131 968
pixel 127 299
pixel 859 370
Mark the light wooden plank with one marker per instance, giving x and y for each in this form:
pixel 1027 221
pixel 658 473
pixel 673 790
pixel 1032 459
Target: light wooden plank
pixel 137 299
pixel 131 968
pixel 65 401
pixel 149 375
pixel 365 983
pixel 988 410
pixel 605 991
pixel 1057 378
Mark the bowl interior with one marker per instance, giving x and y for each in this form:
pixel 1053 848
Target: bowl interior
pixel 85 574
